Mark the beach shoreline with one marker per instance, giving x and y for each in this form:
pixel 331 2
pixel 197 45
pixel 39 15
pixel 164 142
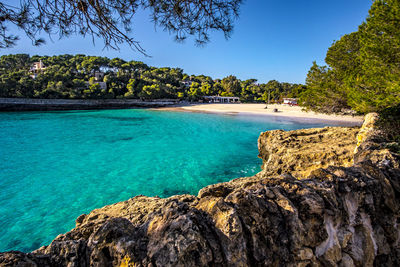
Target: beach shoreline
pixel 284 111
pixel 294 113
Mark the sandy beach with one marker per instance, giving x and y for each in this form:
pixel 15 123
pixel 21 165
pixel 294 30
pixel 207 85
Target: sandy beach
pixel 259 109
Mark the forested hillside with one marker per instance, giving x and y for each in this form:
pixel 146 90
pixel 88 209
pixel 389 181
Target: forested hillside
pixel 80 76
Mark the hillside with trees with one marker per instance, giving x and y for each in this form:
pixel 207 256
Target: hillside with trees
pixel 92 77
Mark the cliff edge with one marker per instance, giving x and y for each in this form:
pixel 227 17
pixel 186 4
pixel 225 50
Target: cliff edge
pixel 325 197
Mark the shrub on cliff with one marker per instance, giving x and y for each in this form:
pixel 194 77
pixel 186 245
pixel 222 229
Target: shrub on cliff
pixel 390 124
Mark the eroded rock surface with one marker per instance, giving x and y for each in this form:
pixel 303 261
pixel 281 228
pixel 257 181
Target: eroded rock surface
pixel 300 152
pixel 337 216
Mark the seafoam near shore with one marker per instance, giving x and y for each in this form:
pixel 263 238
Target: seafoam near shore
pixel 294 112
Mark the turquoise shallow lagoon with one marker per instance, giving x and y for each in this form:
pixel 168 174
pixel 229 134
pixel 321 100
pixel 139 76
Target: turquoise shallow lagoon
pixel 55 166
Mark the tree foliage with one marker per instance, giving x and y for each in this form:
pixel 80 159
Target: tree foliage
pixel 363 71
pixel 67 76
pixel 112 20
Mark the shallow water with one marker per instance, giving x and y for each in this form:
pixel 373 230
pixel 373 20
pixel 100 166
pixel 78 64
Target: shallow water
pixel 55 166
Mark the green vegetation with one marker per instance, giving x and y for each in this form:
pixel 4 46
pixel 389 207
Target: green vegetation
pixel 112 21
pixel 81 76
pixel 363 71
pixel 389 122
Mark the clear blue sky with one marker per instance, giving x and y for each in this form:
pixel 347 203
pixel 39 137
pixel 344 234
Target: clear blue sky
pixel 271 40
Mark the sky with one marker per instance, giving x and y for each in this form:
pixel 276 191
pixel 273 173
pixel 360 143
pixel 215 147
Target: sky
pixel 272 40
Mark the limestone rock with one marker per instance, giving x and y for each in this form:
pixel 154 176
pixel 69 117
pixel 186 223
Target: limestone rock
pixel 368 129
pixel 300 152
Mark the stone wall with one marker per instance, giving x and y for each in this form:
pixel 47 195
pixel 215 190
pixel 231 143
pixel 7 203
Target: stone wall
pixel 20 104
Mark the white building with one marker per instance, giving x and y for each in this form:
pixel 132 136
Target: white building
pixel 36 68
pixel 290 101
pixel 221 99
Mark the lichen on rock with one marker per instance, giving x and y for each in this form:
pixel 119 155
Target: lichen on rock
pixel 332 209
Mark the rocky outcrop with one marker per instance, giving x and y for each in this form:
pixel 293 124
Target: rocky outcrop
pixel 300 152
pixel 337 216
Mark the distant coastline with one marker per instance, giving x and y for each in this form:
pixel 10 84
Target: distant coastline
pixel 294 112
pixel 33 104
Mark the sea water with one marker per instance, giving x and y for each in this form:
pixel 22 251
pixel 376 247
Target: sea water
pixel 55 166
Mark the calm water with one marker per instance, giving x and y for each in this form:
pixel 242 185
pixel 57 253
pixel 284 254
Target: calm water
pixel 55 166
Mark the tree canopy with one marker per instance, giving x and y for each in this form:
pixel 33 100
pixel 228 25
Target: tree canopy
pixel 363 71
pixel 111 20
pixel 79 76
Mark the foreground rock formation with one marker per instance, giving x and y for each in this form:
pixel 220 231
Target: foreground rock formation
pixel 334 216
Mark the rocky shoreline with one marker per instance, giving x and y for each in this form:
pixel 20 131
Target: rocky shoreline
pixel 325 197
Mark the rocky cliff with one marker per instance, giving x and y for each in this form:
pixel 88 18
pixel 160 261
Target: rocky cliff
pixel 343 212
pixel 302 151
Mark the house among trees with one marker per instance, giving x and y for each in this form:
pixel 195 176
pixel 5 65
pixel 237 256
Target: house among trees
pixel 290 101
pixel 98 76
pixel 36 68
pixel 97 79
pixel 187 83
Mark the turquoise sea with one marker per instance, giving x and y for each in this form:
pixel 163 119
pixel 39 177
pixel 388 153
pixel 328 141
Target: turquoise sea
pixel 55 166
